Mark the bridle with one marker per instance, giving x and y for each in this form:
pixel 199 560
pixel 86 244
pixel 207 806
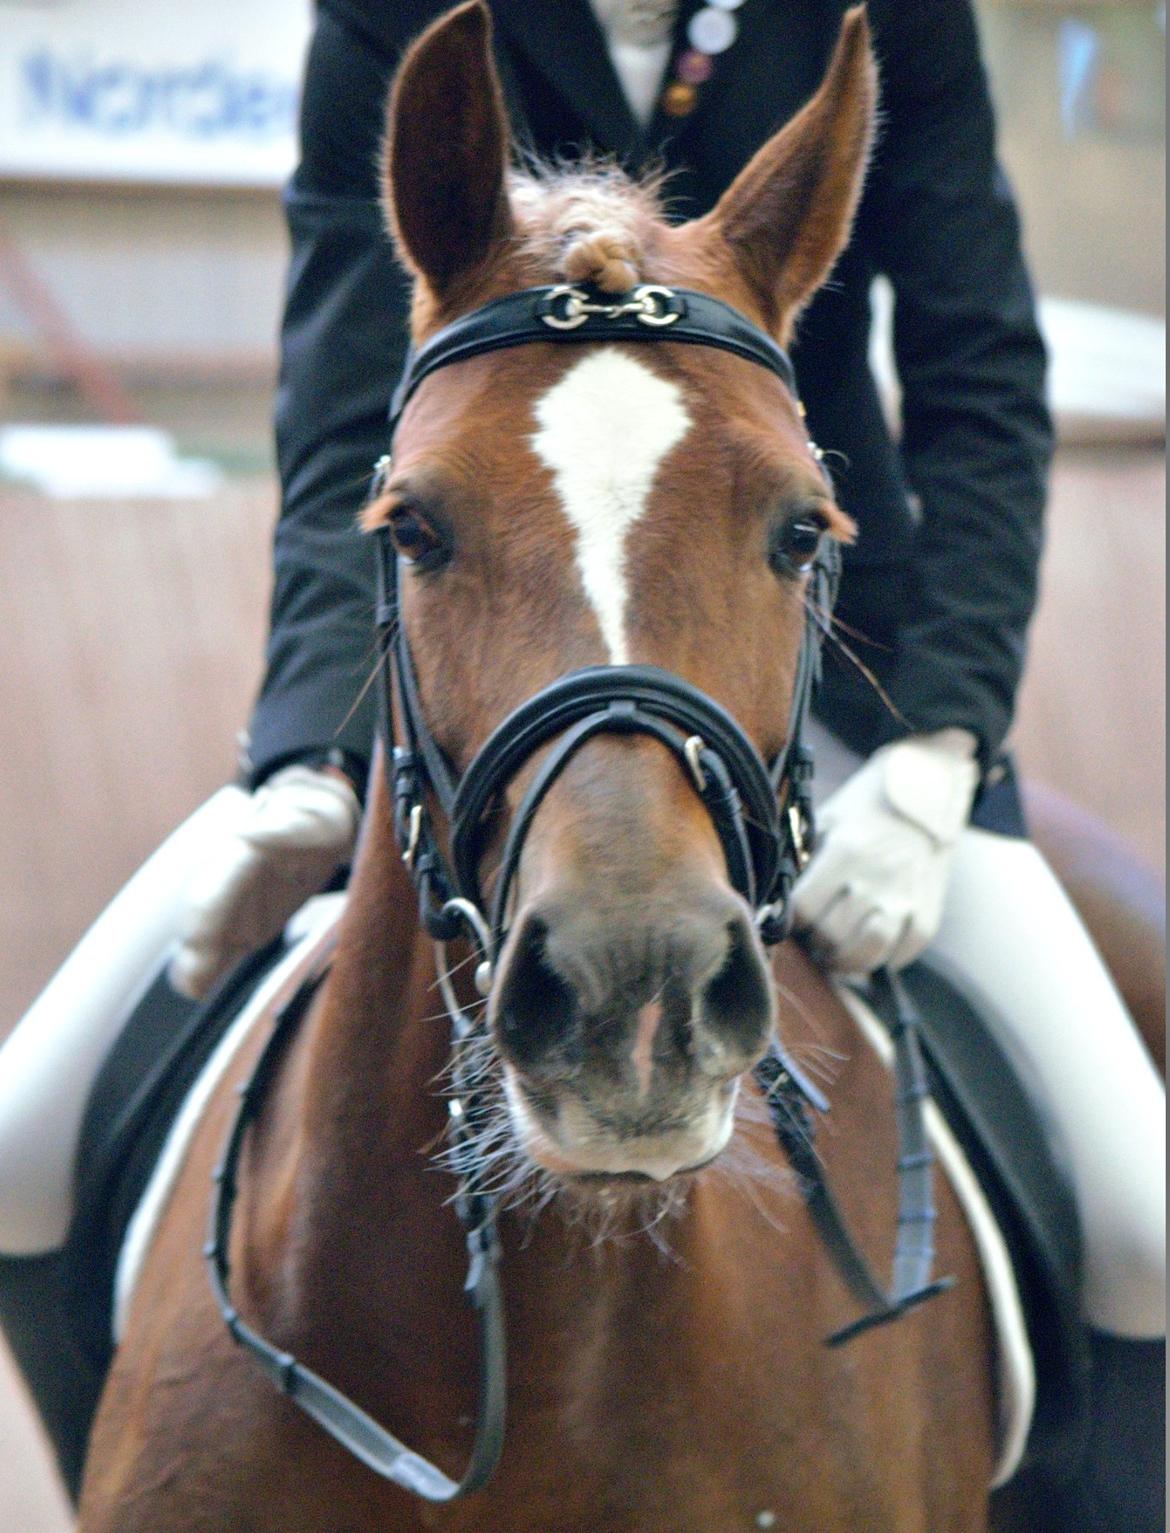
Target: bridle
pixel 762 814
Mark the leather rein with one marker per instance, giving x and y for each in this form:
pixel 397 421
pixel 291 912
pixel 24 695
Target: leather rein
pixel 761 811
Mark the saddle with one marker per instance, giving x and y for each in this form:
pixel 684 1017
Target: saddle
pixel 1022 1170
pixel 57 1311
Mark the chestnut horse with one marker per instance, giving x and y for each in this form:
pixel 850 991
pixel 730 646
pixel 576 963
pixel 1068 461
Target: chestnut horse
pixel 666 1295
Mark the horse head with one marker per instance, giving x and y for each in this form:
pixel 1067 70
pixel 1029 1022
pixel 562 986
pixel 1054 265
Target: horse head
pixel 556 508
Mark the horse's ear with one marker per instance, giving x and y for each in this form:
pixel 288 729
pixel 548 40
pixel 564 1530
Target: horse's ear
pixel 787 215
pixel 446 151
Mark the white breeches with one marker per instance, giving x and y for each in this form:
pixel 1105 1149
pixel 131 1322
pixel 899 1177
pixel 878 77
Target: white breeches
pixel 1010 940
pixel 49 1063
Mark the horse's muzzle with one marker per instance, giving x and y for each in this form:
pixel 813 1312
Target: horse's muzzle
pixel 623 1038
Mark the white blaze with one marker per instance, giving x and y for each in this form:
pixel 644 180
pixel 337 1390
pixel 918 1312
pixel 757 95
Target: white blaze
pixel 604 430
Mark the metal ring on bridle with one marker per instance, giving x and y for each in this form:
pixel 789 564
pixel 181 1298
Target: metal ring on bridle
pixel 565 308
pixel 693 749
pixel 472 918
pixel 650 313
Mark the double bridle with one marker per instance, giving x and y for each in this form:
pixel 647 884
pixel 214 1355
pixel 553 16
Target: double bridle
pixel 761 811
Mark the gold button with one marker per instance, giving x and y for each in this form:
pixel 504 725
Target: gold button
pixel 679 99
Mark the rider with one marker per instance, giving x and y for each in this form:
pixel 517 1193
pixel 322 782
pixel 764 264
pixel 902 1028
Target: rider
pixel 923 844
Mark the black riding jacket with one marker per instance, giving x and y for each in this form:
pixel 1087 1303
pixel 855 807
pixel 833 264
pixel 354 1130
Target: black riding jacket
pixel 942 581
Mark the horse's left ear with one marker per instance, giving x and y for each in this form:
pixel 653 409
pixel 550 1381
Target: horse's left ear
pixel 446 152
pixel 787 215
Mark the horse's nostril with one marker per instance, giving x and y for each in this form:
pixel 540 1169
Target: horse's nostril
pixel 536 1004
pixel 643 1001
pixel 737 1003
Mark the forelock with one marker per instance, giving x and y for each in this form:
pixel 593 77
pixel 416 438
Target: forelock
pixel 590 224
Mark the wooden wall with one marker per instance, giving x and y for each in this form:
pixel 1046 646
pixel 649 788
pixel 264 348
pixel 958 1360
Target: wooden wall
pixel 131 642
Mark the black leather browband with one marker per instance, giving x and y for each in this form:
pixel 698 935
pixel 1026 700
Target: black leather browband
pixel 651 312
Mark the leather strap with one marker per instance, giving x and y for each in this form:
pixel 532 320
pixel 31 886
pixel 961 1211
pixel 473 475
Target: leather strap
pixel 345 1422
pixel 788 1096
pixel 625 699
pixel 625 717
pixel 551 314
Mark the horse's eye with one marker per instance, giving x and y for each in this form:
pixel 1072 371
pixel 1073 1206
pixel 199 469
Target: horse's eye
pixel 797 543
pixel 415 538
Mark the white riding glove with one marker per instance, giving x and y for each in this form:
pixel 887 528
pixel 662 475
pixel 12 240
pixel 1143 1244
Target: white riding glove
pixel 293 835
pixel 873 893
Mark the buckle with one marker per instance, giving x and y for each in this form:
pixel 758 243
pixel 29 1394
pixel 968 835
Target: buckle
pixel 798 831
pixel 693 748
pixel 383 469
pixel 413 836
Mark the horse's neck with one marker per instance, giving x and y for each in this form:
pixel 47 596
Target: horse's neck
pixel 344 1148
pixel 356 1261
pixel 377 1046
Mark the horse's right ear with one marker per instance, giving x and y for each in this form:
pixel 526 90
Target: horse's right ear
pixel 446 152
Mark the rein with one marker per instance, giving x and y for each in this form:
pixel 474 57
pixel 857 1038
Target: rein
pixel 344 1421
pixel 761 811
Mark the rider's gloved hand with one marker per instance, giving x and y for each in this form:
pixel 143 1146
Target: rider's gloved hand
pixel 873 893
pixel 294 833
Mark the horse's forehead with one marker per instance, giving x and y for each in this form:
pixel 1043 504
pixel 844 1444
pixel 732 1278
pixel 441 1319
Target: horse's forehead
pixel 603 430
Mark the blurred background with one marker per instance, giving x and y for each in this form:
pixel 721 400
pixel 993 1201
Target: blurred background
pixel 142 150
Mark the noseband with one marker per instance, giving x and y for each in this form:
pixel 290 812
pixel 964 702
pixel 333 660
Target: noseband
pixel 762 812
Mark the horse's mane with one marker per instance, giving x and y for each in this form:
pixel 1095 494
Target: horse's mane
pixel 587 222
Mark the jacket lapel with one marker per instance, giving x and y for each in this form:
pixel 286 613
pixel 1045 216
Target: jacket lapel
pixel 583 75
pixel 661 125
pixel 782 39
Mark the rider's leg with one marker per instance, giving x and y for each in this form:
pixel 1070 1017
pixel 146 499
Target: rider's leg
pixel 49 1063
pixel 1011 940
